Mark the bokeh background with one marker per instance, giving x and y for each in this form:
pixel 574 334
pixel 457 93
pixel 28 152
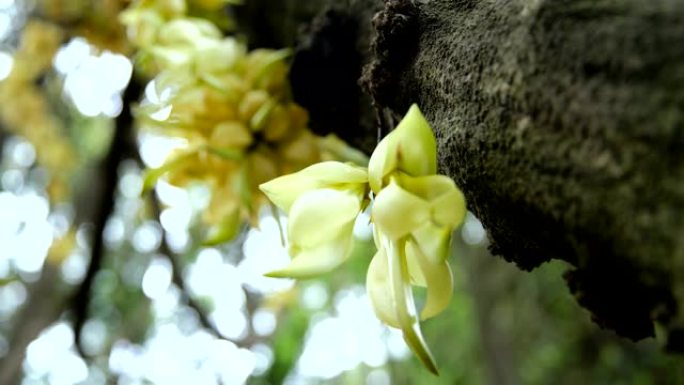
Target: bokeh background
pixel 164 309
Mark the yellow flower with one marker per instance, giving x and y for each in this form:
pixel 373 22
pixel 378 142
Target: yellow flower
pixel 414 213
pixel 144 18
pixel 169 33
pixel 233 109
pixel 285 190
pixel 322 203
pixel 414 218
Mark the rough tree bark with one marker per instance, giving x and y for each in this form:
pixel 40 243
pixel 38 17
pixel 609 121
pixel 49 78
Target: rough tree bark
pixel 562 121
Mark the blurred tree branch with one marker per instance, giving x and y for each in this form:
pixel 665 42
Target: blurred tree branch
pixel 177 274
pixel 123 147
pixel 3 137
pixel 46 302
pixel 47 299
pixel 177 278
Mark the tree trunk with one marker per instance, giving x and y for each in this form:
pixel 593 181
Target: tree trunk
pixel 563 123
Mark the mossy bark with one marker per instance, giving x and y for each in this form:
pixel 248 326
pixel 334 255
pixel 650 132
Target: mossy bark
pixel 563 123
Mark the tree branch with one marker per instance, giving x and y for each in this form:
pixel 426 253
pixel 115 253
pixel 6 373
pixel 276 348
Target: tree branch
pixel 46 300
pixel 177 274
pixel 178 280
pixel 3 137
pixel 46 303
pixel 122 147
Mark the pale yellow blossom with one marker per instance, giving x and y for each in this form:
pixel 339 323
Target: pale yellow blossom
pixel 414 212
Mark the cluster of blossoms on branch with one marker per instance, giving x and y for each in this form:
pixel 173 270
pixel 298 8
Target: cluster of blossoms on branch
pixel 231 107
pixel 414 211
pixel 169 33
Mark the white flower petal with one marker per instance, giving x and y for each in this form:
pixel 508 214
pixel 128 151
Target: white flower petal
pixel 434 241
pixel 284 190
pixel 311 262
pixel 382 162
pixel 440 284
pixel 319 216
pixel 380 289
pixel 332 173
pixel 396 212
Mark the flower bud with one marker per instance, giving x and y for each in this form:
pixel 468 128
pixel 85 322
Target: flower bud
pixel 410 148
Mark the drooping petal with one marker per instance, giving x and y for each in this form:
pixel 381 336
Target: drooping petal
pixel 438 277
pixel 449 209
pixel 379 289
pixel 404 304
pixel 434 240
pixel 396 212
pixel 415 272
pixel 284 190
pixel 319 216
pixel 320 228
pixel 311 262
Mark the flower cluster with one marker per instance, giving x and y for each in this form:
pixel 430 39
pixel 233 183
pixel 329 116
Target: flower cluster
pixel 414 211
pixel 171 32
pixel 234 111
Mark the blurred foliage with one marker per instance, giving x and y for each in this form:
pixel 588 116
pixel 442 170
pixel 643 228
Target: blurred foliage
pixel 287 344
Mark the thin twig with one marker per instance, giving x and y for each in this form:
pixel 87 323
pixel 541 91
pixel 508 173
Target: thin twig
pixel 45 303
pixel 121 147
pixel 3 135
pixel 177 274
pixel 178 280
